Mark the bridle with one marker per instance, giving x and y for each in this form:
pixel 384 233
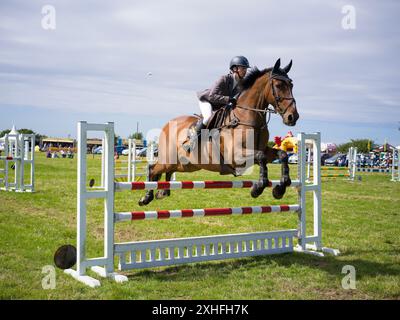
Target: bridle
pixel 277 98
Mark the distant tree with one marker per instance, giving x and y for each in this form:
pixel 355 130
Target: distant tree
pixel 362 145
pixel 271 144
pixel 4 132
pixel 39 138
pixel 26 131
pixel 136 135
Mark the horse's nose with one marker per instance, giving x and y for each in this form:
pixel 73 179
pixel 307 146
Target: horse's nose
pixel 292 118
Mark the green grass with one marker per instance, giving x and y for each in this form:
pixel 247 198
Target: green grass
pixel 361 219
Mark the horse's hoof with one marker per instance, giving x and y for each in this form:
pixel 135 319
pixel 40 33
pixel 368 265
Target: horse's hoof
pixel 145 200
pixel 160 195
pixel 256 191
pixel 287 182
pixel 278 191
pixel 142 202
pixel 254 194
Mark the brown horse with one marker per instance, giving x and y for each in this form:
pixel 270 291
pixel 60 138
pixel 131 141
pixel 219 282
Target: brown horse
pixel 243 133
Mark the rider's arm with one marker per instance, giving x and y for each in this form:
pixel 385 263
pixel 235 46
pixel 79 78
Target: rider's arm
pixel 219 93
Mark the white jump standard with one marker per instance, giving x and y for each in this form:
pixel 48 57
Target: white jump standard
pixel 19 150
pixel 133 160
pixel 155 253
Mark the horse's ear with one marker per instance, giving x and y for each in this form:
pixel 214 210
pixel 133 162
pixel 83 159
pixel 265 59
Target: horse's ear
pixel 288 67
pixel 276 66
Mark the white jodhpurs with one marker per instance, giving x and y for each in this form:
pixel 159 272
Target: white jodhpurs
pixel 206 111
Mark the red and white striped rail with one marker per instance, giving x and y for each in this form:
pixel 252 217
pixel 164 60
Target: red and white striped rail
pixel 166 185
pixel 189 213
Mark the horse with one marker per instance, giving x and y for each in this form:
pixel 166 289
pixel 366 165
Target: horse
pixel 260 88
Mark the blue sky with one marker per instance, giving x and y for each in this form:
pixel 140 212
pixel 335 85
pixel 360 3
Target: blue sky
pixel 95 65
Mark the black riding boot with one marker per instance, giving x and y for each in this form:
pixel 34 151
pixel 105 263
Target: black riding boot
pixel 199 126
pixel 197 132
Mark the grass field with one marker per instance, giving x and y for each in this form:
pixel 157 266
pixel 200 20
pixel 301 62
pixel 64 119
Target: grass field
pixel 360 218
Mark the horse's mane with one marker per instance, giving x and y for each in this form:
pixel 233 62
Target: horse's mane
pixel 253 74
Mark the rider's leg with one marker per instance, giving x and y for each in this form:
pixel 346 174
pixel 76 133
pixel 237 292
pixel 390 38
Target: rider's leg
pixel 206 111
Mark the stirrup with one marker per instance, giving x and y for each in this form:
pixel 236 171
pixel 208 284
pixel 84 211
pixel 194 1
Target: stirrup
pixel 191 144
pixel 186 147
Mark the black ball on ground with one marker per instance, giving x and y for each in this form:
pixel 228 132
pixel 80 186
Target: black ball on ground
pixel 65 256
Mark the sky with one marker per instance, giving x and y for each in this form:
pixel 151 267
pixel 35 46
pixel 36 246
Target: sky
pixel 142 62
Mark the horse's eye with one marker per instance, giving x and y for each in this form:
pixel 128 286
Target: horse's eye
pixel 280 86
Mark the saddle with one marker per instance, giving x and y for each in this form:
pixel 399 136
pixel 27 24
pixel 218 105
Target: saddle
pixel 218 119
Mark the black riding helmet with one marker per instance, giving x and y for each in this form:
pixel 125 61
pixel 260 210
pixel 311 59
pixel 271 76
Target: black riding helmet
pixel 239 61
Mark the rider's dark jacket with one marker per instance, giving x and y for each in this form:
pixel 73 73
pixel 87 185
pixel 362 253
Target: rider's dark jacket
pixel 218 95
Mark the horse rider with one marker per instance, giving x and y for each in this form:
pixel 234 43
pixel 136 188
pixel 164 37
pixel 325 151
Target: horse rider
pixel 225 91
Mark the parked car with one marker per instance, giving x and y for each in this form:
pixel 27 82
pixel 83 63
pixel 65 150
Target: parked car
pixel 342 161
pixel 98 150
pixel 125 152
pixel 333 161
pixel 293 158
pixel 324 156
pixel 143 152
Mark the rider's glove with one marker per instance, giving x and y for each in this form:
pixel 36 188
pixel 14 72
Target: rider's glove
pixel 232 101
